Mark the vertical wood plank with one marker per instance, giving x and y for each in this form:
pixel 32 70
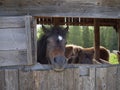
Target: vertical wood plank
pixel 26 80
pixel 118 78
pixel 60 80
pixel 2 80
pixel 11 79
pixel 78 85
pixel 41 80
pixel 118 30
pixel 111 78
pixel 101 77
pixel 96 39
pixel 28 27
pixel 68 79
pixel 89 81
pixel 34 41
pixel 55 80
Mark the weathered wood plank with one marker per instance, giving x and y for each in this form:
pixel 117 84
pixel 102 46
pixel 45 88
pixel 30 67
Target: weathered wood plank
pixel 2 80
pixel 55 80
pixel 41 80
pixel 84 11
pixel 13 39
pixel 23 3
pixel 87 82
pixel 10 22
pixel 112 78
pixel 101 78
pixel 34 41
pixel 8 58
pixel 26 80
pixel 106 78
pixel 11 79
pixel 77 8
pixel 68 79
pixel 28 29
pixel 118 78
pixel 60 80
pixel 77 80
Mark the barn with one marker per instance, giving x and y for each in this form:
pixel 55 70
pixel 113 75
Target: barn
pixel 18 20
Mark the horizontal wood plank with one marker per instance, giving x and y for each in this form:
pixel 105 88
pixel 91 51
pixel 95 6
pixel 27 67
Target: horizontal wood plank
pixel 24 3
pixel 77 8
pixel 12 22
pixel 8 58
pixel 13 39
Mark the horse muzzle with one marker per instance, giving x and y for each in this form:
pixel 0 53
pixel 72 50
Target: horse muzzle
pixel 59 63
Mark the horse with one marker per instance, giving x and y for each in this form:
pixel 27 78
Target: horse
pixel 71 53
pixel 78 54
pixel 51 47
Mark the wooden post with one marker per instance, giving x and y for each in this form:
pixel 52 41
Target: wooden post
pixel 96 39
pixel 28 27
pixel 118 30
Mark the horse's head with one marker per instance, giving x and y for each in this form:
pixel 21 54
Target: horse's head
pixel 72 52
pixel 55 46
pixel 86 55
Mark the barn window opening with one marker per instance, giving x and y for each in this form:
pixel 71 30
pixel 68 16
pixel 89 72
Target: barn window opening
pixel 81 33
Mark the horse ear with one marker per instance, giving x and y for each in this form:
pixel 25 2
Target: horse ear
pixel 45 30
pixel 68 51
pixel 118 53
pixel 66 29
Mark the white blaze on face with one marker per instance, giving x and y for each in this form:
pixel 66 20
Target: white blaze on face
pixel 60 38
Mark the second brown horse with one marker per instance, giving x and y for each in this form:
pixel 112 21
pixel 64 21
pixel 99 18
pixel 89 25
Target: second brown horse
pixel 77 54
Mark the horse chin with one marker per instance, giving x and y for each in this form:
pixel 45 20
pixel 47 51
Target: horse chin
pixel 59 66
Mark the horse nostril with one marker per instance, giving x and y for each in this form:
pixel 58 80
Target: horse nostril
pixel 59 60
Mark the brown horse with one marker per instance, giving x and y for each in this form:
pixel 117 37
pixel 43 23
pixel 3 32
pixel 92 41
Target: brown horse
pixel 51 47
pixel 71 53
pixel 85 55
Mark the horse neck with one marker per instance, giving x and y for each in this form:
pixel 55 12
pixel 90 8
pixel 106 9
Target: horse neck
pixel 41 51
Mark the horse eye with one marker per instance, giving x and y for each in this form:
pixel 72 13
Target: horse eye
pixel 48 41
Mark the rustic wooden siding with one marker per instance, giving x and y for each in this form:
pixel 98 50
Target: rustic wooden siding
pixel 98 78
pixel 76 8
pixel 16 40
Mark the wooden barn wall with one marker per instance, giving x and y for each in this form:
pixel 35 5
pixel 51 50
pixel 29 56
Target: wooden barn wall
pixel 98 78
pixel 16 44
pixel 75 8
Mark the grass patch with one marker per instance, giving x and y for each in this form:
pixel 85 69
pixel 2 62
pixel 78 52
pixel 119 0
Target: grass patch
pixel 113 58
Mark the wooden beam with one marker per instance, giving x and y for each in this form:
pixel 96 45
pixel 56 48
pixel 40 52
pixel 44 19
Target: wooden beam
pixel 118 30
pixel 75 21
pixel 96 39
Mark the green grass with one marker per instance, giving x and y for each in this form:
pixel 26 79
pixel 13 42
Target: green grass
pixel 113 58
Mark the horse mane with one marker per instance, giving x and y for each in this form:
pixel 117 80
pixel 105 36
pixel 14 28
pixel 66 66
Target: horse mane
pixel 42 43
pixel 41 50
